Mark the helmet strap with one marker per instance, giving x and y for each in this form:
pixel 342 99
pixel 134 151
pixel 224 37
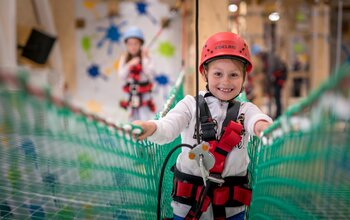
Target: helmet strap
pixel 242 89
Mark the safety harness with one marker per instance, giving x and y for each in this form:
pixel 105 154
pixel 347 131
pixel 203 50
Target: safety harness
pixel 136 90
pixel 226 192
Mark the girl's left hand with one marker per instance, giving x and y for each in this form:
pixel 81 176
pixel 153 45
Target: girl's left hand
pixel 260 126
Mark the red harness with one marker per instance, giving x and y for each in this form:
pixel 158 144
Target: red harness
pixel 190 189
pixel 136 90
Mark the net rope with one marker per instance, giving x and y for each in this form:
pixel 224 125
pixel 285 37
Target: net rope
pixel 301 167
pixel 59 162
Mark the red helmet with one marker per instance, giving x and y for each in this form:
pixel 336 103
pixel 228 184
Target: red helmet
pixel 225 44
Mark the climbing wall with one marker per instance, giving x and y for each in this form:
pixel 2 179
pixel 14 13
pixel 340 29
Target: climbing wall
pixel 99 40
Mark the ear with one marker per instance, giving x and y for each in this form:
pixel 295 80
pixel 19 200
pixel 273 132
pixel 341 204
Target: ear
pixel 204 76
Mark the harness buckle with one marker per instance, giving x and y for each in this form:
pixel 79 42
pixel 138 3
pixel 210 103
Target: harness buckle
pixel 133 88
pixel 216 178
pixel 204 159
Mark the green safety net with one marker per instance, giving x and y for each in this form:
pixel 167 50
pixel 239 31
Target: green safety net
pixel 301 168
pixel 58 162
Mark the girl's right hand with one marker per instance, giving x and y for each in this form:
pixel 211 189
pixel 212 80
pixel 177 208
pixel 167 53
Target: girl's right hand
pixel 148 128
pixel 134 61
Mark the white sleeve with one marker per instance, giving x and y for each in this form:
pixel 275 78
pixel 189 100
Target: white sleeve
pixel 252 115
pixel 177 119
pixel 123 69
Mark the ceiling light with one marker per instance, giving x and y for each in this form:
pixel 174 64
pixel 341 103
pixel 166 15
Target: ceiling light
pixel 232 8
pixel 274 16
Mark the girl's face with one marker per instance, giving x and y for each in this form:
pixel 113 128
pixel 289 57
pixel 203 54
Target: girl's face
pixel 133 45
pixel 225 78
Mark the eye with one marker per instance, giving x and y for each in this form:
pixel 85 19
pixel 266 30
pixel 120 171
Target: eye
pixel 217 74
pixel 234 75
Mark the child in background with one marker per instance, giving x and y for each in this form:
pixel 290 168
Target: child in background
pixel 225 125
pixel 136 68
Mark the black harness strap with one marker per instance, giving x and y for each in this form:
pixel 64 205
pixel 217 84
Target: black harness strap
pixel 232 113
pixel 208 124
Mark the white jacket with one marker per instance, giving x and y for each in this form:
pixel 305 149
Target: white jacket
pixel 181 119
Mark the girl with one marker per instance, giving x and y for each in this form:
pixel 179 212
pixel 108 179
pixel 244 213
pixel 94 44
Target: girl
pixel 136 68
pixel 225 125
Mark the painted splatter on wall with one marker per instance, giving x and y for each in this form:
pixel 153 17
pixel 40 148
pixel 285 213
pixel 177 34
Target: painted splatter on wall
pixel 99 40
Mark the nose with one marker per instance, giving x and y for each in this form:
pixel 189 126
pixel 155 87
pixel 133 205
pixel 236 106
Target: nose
pixel 226 78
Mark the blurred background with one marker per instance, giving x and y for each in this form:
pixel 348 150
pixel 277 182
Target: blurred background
pixel 57 162
pixel 74 46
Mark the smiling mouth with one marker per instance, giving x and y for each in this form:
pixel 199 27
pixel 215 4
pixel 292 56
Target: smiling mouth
pixel 225 90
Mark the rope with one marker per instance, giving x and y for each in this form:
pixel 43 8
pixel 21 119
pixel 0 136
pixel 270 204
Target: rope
pixel 197 77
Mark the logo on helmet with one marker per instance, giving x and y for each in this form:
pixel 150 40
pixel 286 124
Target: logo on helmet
pixel 225 47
